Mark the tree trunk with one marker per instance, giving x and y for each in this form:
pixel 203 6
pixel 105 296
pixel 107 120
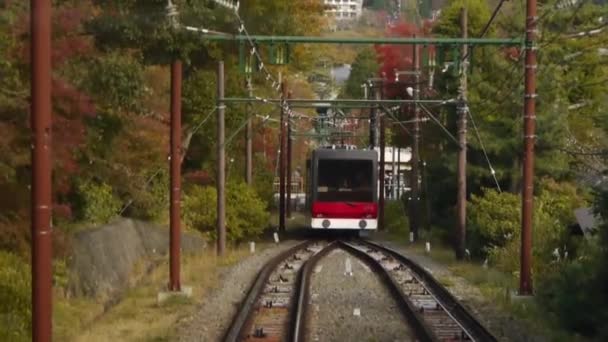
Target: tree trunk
pixel 186 143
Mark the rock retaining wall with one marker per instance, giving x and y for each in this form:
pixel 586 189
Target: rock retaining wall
pixel 109 259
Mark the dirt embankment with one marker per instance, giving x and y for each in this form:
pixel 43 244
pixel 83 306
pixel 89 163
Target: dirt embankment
pixel 109 259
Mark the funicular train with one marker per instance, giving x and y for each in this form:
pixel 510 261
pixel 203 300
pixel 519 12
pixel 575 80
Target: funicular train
pixel 342 189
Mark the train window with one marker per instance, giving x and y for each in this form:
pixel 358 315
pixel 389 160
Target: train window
pixel 345 180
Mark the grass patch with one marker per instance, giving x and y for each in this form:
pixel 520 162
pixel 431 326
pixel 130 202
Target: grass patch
pixel 138 317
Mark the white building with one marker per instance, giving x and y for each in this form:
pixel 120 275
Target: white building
pixel 397 167
pixel 344 9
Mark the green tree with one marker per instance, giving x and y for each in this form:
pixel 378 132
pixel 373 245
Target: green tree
pixel 569 106
pixel 365 66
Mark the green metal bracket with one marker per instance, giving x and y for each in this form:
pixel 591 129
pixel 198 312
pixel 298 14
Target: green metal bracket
pixel 279 53
pixel 246 59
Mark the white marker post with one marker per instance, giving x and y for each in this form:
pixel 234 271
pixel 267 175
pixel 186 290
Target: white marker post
pixel 411 237
pixel 276 237
pixel 349 267
pixel 427 247
pixel 252 247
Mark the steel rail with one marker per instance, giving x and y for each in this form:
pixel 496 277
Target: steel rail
pixel 241 319
pixel 299 323
pixel 450 304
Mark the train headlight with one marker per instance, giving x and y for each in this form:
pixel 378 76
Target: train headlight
pixel 326 223
pixel 362 224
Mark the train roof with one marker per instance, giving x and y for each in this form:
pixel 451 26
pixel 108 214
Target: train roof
pixel 328 153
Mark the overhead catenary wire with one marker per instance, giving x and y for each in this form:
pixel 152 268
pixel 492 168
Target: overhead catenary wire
pixel 483 149
pixel 395 119
pixel 436 121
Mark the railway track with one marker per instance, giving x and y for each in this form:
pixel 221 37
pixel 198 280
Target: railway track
pixel 276 307
pixel 271 308
pixel 444 317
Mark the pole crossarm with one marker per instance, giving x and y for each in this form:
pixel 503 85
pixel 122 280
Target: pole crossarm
pixel 329 135
pixel 358 103
pixel 370 40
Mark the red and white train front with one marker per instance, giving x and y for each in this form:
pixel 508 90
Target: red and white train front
pixel 342 189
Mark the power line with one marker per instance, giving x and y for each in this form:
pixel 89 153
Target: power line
pixel 445 129
pixel 483 148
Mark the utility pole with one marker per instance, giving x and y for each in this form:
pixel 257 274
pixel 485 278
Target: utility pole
pixel 249 167
pixel 282 154
pixel 372 124
pixel 394 178
pixel 41 121
pixel 288 176
pixel 378 96
pixel 415 194
pixel 398 173
pixel 525 281
pixel 382 174
pixel 221 163
pixel 175 165
pixel 461 201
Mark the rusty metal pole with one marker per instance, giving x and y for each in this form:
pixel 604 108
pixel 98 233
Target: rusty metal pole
pixel 525 281
pixel 249 157
pixel 382 174
pixel 373 122
pixel 41 121
pixel 414 213
pixel 398 173
pixel 282 154
pixel 393 166
pixel 461 201
pixel 175 161
pixel 221 163
pixel 289 175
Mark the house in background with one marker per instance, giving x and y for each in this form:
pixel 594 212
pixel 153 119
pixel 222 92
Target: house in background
pixel 345 12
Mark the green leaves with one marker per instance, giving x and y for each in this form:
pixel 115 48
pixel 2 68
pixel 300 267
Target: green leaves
pixel 15 298
pixel 365 66
pixel 97 203
pixel 116 82
pixel 246 215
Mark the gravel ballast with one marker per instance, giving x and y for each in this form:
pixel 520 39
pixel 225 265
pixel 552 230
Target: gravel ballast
pixel 357 307
pixel 213 318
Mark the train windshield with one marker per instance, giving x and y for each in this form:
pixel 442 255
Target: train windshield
pixel 345 180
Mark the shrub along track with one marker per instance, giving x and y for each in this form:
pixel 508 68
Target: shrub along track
pixel 276 307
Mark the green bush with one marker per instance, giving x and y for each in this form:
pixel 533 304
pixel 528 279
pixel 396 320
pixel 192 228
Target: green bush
pixel 151 201
pixel 581 286
pixel 15 298
pixel 262 183
pixel 495 225
pixel 396 221
pixel 577 296
pixel 246 214
pixel 96 202
pixel 493 220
